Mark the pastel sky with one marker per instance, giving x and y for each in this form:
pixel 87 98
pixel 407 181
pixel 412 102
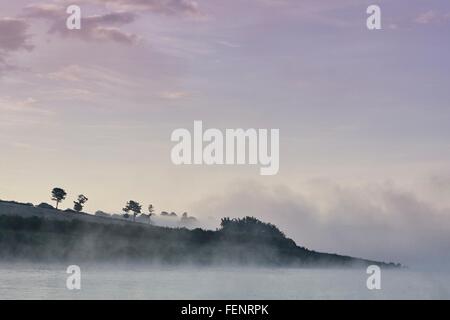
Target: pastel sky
pixel 364 116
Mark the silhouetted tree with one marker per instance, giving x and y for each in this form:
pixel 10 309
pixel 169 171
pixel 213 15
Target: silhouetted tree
pixel 78 205
pixel 250 226
pixel 58 195
pixel 224 222
pixel 132 206
pixel 187 221
pixel 151 209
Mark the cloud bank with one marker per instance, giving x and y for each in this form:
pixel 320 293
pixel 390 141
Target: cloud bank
pixel 377 221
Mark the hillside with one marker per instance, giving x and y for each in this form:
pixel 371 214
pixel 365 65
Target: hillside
pixel 30 233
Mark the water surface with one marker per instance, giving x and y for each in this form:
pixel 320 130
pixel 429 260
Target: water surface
pixel 48 281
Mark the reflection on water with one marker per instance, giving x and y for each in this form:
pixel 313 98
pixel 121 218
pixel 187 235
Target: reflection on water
pixel 40 281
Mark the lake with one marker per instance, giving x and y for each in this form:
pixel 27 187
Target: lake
pixel 123 281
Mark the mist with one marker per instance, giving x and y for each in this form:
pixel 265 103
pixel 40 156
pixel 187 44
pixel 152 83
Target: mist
pixel 376 221
pixel 136 281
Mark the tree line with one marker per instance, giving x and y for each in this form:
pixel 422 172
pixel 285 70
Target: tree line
pixel 132 208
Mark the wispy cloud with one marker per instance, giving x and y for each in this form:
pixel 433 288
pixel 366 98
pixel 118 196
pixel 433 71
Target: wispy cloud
pixel 168 7
pixel 85 82
pixel 432 16
pixel 13 37
pixel 228 44
pixel 10 104
pixel 426 17
pixel 26 106
pixel 94 27
pixel 174 95
pixel 87 74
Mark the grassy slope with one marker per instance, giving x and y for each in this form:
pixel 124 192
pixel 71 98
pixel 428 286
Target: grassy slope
pixel 38 236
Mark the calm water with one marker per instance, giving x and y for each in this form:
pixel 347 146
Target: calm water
pixel 38 281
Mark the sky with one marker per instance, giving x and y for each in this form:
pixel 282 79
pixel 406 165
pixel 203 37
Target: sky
pixel 364 115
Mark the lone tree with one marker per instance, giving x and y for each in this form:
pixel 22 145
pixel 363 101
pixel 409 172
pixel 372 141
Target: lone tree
pixel 132 206
pixel 58 195
pixel 151 209
pixel 78 205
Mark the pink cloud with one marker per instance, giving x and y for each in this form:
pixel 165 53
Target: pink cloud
pixel 13 37
pixel 426 17
pixel 94 28
pixel 431 16
pixel 168 7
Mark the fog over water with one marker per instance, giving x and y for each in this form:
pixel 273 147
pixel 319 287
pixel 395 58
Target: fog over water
pixel 364 153
pixel 376 221
pixel 43 281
